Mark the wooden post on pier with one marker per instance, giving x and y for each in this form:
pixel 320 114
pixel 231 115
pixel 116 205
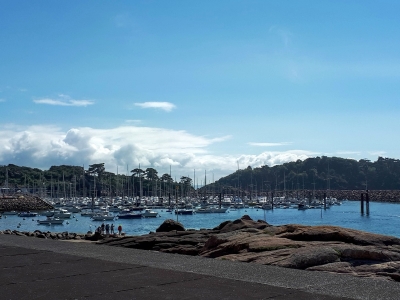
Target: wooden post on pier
pixel 220 200
pixel 324 200
pixel 309 198
pixel 362 203
pixel 367 202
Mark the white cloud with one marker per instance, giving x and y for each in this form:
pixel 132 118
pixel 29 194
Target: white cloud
pixel 378 153
pixel 158 105
pixel 43 146
pixel 269 144
pixel 64 100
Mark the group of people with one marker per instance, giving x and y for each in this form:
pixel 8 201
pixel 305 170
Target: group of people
pixel 108 229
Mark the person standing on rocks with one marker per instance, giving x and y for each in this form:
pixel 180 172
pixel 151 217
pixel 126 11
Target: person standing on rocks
pixel 119 230
pixel 107 228
pixel 112 228
pixel 103 228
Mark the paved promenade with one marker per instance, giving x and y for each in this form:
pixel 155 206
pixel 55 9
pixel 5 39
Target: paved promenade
pixel 33 268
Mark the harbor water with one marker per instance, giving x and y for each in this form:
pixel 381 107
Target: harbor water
pixel 384 218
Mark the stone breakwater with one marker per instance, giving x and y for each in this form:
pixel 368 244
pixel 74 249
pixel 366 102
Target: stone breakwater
pixel 374 195
pixel 49 235
pixel 23 203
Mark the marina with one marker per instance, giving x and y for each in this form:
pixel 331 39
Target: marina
pixel 384 218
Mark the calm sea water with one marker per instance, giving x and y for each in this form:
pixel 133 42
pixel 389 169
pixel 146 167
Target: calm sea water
pixel 384 219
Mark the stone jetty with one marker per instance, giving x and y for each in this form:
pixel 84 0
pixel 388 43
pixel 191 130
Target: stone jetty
pixel 23 202
pixel 391 196
pixel 49 235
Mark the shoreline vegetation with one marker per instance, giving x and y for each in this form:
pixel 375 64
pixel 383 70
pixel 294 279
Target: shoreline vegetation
pixel 314 248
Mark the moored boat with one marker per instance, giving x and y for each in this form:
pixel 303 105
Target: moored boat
pixel 148 213
pixel 51 221
pixel 129 215
pixel 104 216
pixel 185 211
pixel 210 210
pixel 27 214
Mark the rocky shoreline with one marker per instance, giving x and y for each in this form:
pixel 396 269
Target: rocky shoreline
pixel 314 248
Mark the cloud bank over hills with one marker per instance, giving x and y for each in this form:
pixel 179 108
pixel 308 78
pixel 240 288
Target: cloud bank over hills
pixel 126 147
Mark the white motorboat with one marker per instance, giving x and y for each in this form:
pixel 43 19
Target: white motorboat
pixel 185 211
pixel 50 221
pixel 148 213
pixel 62 213
pixel 103 216
pixel 212 210
pixel 57 213
pixel 72 209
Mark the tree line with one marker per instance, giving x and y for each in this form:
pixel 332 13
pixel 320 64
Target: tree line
pixel 74 181
pixel 319 173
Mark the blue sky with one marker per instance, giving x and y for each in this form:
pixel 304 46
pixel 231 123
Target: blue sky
pixel 197 84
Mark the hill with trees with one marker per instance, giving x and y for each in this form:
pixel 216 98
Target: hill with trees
pixel 318 173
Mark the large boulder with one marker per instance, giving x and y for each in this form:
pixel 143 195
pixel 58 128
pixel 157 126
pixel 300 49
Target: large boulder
pixel 335 234
pixel 243 222
pixel 170 225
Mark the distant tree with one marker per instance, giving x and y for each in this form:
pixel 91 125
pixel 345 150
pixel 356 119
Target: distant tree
pixel 96 169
